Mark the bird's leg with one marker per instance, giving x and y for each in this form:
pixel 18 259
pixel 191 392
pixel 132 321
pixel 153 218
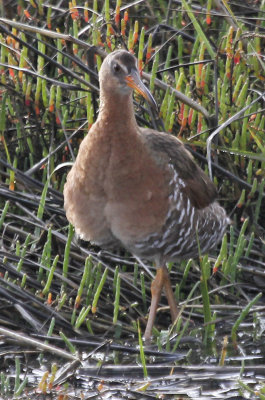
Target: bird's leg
pixel 156 289
pixel 174 310
pixel 161 280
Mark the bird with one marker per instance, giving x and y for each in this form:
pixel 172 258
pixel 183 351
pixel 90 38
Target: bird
pixel 139 189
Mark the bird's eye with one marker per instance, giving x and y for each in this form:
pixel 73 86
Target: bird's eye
pixel 116 68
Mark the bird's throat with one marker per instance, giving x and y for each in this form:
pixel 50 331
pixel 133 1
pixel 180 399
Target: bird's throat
pixel 117 112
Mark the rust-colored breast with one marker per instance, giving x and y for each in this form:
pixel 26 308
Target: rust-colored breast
pixel 84 196
pixel 115 190
pixel 137 189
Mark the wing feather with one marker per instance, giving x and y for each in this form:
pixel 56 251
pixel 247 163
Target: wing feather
pixel 198 187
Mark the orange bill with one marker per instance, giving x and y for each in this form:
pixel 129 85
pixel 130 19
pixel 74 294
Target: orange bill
pixel 134 81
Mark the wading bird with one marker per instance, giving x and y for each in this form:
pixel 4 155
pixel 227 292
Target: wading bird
pixel 140 189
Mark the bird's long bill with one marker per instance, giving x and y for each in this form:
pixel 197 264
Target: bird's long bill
pixel 134 81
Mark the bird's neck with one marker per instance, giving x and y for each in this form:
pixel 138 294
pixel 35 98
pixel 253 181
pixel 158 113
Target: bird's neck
pixel 117 112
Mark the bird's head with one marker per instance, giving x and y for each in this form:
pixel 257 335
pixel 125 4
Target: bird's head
pixel 119 75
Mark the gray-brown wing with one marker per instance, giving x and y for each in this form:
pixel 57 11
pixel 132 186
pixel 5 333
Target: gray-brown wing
pixel 198 187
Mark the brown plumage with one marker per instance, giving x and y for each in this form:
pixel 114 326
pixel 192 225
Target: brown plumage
pixel 137 188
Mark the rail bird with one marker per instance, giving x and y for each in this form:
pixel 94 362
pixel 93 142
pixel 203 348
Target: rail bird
pixel 140 189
